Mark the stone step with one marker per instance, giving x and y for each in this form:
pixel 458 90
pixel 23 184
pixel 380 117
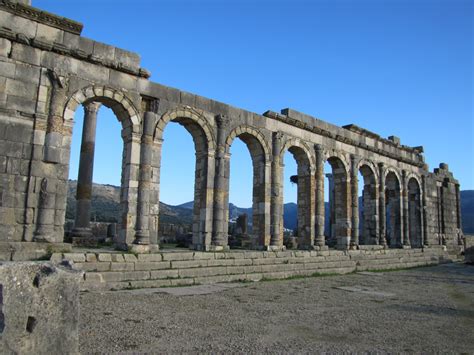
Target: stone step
pixel 115 270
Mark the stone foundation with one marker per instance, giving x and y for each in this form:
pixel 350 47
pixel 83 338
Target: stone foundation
pixel 115 271
pixel 24 251
pixel 39 309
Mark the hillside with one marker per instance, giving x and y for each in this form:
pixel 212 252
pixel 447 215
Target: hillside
pixel 106 208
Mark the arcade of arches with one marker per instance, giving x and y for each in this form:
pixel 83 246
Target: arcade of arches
pixel 403 204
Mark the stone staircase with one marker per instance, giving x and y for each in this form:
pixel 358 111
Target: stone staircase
pixel 118 270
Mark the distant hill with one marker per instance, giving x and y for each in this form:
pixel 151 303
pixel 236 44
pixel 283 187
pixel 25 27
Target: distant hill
pixel 106 208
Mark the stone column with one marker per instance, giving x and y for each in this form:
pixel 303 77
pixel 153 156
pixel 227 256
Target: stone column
pixel 332 208
pixel 405 230
pixel 382 207
pixel 219 228
pixel 424 211
pixel 354 244
pixel 276 239
pixel 320 216
pixel 82 234
pixel 142 235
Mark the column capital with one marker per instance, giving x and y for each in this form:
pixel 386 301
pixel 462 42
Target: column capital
pixel 58 79
pixel 277 138
pixel 91 107
pixel 222 121
pixel 153 105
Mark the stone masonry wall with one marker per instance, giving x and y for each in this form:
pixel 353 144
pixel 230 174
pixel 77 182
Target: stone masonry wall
pixel 114 271
pixel 47 70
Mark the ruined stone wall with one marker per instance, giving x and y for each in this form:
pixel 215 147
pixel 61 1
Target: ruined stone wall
pixel 47 70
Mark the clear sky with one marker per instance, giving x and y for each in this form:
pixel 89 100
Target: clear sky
pixel 395 67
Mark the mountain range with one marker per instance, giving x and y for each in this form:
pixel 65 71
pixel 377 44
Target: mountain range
pixel 106 208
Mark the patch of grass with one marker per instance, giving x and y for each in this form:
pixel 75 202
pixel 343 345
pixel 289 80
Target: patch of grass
pixel 397 269
pixel 298 277
pixel 168 286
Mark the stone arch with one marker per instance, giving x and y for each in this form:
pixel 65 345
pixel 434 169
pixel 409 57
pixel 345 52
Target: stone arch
pixel 393 202
pixel 117 101
pixel 300 151
pixel 204 143
pixel 369 205
pixel 339 200
pixel 260 155
pixel 414 212
pixel 129 117
pixel 191 119
pixel 249 135
pixel 335 155
pixel 306 189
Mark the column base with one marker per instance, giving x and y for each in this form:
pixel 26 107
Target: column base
pixel 319 247
pixel 275 248
pixel 217 248
pixel 83 237
pixel 354 247
pixel 139 248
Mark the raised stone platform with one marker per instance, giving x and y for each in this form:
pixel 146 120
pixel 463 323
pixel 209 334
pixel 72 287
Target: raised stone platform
pixel 115 271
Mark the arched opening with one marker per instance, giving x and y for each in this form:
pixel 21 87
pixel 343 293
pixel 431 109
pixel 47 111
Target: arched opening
pixel 290 201
pixel 338 222
pixel 259 235
pixel 177 186
pixel 303 229
pixel 102 156
pixel 201 218
pixel 414 213
pixel 393 210
pixel 368 206
pixel 240 226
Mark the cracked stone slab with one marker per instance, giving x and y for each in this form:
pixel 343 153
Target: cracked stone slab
pixel 365 290
pixel 187 290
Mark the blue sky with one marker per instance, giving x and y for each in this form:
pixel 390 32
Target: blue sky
pixel 395 67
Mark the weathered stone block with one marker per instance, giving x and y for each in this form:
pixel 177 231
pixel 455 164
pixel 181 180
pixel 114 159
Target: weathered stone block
pixel 5 47
pixel 39 309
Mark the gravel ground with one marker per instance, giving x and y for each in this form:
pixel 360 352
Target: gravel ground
pixel 426 310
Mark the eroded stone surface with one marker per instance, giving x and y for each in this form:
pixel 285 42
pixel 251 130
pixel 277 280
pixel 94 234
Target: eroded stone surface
pixel 39 308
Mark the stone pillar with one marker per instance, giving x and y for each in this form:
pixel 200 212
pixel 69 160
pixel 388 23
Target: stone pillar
pixel 142 235
pixel 382 206
pixel 276 200
pixel 354 244
pixel 332 208
pixel 405 230
pixel 424 192
pixel 219 228
pixel 320 216
pixel 82 234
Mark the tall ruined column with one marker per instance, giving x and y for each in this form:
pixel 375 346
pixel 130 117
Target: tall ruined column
pixel 332 208
pixel 45 230
pixel 142 235
pixel 219 228
pixel 382 206
pixel 354 244
pixel 276 239
pixel 405 230
pixel 82 234
pixel 320 216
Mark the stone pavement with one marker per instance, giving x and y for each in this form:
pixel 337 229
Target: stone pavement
pixel 429 310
